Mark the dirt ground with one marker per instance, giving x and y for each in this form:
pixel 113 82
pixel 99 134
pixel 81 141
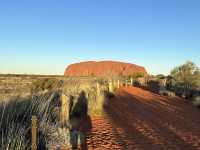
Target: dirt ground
pixel 137 119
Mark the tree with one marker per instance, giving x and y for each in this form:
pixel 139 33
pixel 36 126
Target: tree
pixel 187 74
pixel 160 76
pixel 137 75
pixel 197 78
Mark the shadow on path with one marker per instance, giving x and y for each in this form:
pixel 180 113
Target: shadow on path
pixel 80 122
pixel 144 120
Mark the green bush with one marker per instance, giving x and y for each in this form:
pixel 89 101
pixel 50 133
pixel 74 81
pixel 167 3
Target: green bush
pixel 187 74
pixel 160 76
pixel 136 75
pixel 154 85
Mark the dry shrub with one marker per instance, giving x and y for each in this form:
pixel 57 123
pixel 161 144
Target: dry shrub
pixel 154 85
pixel 44 84
pixel 15 121
pixel 196 101
pixel 15 115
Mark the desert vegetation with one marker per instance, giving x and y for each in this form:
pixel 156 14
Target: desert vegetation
pixel 187 74
pixel 22 85
pixel 46 84
pixel 15 122
pixel 45 94
pixel 136 75
pixel 184 80
pixel 44 102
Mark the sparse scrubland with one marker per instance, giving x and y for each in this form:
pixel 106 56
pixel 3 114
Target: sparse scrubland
pixel 44 102
pixel 15 123
pixel 43 95
pixel 183 81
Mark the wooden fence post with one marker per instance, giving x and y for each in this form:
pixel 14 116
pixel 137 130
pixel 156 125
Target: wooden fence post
pixel 131 81
pixel 114 83
pixel 64 109
pixel 118 84
pixel 34 133
pixel 110 86
pixel 98 89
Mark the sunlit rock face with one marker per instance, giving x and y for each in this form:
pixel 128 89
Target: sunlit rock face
pixel 103 68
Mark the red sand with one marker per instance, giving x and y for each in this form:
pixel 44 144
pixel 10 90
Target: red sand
pixel 102 68
pixel 140 120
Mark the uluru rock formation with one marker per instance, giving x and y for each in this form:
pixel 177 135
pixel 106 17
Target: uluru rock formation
pixel 103 68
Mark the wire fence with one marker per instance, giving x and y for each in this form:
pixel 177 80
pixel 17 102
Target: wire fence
pixel 112 86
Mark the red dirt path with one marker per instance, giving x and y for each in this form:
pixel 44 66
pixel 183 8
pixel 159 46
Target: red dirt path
pixel 139 119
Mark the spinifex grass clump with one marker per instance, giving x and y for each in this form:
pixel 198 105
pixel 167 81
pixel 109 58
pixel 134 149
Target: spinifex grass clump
pixel 15 114
pixel 14 125
pixel 15 121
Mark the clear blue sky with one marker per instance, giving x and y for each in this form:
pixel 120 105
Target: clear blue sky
pixel 44 36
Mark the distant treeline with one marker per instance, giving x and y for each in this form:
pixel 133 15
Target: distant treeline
pixel 28 75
